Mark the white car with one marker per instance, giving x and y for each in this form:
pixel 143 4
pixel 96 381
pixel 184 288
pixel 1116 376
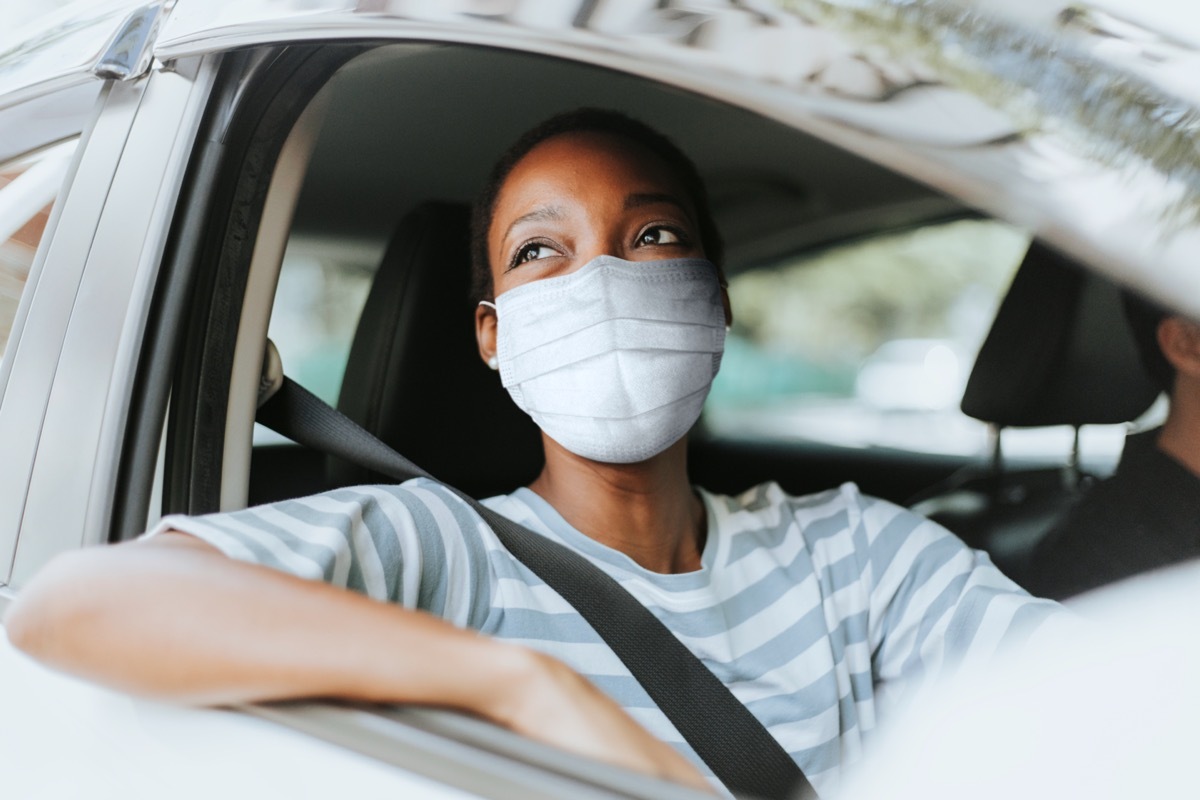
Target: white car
pixel 183 182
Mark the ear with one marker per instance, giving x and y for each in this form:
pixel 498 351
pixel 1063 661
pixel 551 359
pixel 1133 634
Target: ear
pixel 485 331
pixel 1179 340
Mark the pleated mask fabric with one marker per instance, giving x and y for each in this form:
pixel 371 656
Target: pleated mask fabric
pixel 614 361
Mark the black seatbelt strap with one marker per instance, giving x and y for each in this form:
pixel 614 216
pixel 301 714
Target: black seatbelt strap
pixel 730 740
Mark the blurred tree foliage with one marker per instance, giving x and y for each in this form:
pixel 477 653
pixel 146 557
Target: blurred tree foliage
pixel 805 325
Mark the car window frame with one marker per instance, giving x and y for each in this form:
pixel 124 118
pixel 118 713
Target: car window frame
pixel 30 348
pixel 779 264
pixel 235 295
pixel 88 330
pixel 208 289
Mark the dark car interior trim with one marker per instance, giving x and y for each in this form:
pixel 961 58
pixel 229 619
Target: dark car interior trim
pixel 266 110
pixel 188 347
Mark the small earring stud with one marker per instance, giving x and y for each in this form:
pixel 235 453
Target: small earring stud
pixel 493 363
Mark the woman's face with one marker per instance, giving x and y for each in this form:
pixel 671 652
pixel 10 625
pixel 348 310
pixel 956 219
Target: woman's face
pixel 578 196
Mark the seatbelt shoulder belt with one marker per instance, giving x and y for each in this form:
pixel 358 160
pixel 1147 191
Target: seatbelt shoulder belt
pixel 728 738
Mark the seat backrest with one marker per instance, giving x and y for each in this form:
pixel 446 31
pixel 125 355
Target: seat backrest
pixel 1059 353
pixel 414 377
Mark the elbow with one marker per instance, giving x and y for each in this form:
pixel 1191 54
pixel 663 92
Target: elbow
pixel 21 626
pixel 44 610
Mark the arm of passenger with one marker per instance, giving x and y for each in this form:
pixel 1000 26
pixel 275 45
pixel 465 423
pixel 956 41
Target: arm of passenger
pixel 171 617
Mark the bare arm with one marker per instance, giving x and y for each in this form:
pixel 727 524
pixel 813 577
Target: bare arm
pixel 173 618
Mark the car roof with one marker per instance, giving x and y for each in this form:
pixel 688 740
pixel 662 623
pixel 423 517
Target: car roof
pixel 1078 124
pixel 773 191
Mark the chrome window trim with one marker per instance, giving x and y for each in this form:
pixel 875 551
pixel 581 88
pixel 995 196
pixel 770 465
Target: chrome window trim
pixel 73 475
pixel 467 753
pixel 155 504
pixel 129 53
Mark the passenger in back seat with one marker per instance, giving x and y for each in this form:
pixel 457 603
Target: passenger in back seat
pixel 603 309
pixel 1147 515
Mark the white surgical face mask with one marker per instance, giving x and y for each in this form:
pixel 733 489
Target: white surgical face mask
pixel 614 361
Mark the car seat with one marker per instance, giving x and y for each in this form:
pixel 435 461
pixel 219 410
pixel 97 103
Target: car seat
pixel 1058 353
pixel 414 377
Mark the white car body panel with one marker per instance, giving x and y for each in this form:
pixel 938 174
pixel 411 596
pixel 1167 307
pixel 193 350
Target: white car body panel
pixel 81 323
pixel 77 740
pixel 31 361
pixel 59 50
pixel 51 436
pixel 105 333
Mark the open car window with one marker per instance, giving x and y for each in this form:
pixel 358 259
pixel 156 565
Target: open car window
pixel 866 344
pixel 869 344
pixel 859 347
pixel 317 306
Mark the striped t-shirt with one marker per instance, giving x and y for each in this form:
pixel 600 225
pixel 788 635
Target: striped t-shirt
pixel 815 611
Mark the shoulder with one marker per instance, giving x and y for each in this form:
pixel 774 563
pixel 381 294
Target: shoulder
pixel 384 521
pixel 842 509
pixel 835 529
pixel 420 506
pixel 851 530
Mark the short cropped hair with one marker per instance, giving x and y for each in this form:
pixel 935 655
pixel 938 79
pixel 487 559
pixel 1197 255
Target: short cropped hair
pixel 1143 318
pixel 586 120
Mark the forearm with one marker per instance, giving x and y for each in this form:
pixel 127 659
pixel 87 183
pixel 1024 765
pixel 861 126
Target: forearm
pixel 176 619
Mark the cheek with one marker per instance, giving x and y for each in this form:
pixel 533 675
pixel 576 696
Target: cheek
pixel 503 280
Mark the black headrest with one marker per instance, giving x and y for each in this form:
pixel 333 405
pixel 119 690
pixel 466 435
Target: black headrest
pixel 1059 352
pixel 414 377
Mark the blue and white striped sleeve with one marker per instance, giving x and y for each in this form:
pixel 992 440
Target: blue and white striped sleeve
pixel 415 544
pixel 934 603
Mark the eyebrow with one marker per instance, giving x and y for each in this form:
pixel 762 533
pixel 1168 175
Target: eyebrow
pixel 650 198
pixel 541 214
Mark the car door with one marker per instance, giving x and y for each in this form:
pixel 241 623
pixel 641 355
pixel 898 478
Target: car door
pixel 175 221
pixel 80 331
pixel 88 173
pixel 49 103
pixel 145 326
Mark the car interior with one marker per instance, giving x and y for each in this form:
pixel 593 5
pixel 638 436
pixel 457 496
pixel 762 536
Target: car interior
pixel 1052 357
pixel 774 192
pixel 383 148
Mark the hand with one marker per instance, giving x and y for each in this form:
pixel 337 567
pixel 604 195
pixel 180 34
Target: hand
pixel 554 704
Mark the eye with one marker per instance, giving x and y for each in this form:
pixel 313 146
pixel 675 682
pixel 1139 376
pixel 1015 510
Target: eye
pixel 659 235
pixel 534 251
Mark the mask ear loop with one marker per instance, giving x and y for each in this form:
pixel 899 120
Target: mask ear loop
pixel 724 284
pixel 493 363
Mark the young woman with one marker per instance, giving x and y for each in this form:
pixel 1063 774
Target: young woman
pixel 604 311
